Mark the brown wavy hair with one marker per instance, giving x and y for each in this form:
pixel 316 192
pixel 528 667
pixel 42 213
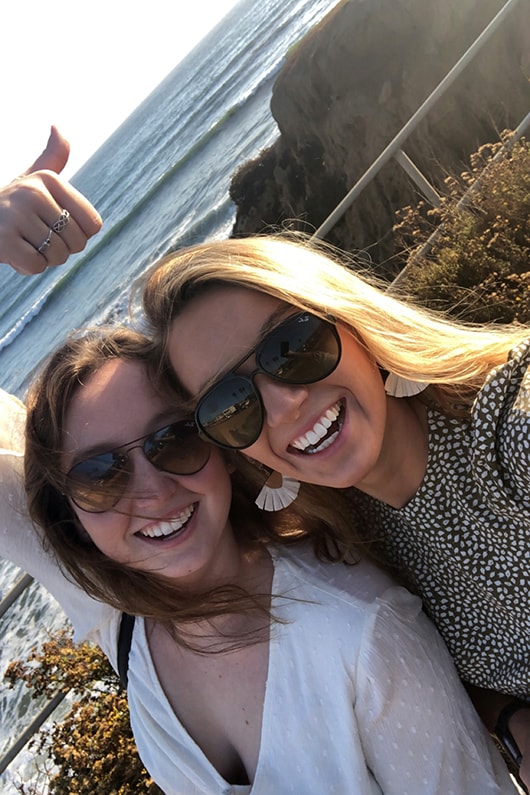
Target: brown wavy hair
pixel 127 589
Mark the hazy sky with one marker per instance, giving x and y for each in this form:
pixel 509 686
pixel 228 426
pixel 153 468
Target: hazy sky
pixel 85 66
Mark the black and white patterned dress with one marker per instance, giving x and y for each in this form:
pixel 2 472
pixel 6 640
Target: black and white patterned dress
pixel 464 539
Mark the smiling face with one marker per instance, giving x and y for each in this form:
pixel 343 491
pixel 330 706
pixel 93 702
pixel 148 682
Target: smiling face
pixel 170 524
pixel 330 432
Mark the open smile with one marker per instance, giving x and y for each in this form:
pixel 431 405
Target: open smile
pixel 169 528
pixel 323 433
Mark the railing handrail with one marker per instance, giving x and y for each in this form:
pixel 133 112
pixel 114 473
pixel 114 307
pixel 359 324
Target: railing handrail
pixel 11 596
pixel 32 729
pixel 397 142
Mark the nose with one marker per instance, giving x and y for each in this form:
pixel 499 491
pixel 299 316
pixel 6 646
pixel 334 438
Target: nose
pixel 282 402
pixel 148 484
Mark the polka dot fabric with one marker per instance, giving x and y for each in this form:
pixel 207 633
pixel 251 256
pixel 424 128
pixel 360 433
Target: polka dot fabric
pixel 464 539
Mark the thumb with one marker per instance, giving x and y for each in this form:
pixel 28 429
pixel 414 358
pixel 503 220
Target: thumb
pixel 55 155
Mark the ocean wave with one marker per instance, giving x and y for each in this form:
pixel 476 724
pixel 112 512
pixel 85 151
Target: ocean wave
pixel 26 318
pixel 215 224
pixel 64 277
pixel 192 233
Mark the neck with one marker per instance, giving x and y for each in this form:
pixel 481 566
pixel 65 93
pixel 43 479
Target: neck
pixel 232 627
pixel 235 565
pixel 403 458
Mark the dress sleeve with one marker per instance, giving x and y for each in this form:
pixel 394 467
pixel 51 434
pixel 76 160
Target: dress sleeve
pixel 500 442
pixel 20 542
pixel 420 732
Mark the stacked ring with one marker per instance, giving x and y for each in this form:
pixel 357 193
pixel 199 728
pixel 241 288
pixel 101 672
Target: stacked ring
pixel 61 222
pixel 57 227
pixel 45 243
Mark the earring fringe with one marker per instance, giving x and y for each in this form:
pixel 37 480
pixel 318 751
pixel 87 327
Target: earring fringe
pixel 278 492
pixel 397 386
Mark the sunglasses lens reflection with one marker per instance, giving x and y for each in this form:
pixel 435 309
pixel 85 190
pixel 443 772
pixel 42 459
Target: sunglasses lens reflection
pixel 301 351
pixel 177 449
pixel 230 414
pixel 97 483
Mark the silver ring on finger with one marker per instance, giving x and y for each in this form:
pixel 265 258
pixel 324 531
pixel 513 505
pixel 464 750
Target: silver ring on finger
pixel 45 243
pixel 61 222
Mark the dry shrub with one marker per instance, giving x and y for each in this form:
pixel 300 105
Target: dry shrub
pixel 92 749
pixel 478 267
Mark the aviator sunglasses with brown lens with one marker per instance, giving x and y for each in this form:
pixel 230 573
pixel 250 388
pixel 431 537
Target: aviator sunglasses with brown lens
pixel 303 349
pixel 98 483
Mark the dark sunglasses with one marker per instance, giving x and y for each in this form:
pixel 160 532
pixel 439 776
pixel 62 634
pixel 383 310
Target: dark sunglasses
pixel 98 483
pixel 301 350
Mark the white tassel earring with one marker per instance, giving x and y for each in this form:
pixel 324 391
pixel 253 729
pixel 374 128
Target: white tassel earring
pixel 278 492
pixel 397 386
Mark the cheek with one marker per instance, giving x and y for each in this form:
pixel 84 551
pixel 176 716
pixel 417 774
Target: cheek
pixel 214 482
pixel 102 529
pixel 362 372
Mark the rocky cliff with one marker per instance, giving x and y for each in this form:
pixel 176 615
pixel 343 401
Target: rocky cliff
pixel 347 89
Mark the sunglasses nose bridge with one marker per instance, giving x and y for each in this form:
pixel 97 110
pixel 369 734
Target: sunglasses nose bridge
pixel 140 445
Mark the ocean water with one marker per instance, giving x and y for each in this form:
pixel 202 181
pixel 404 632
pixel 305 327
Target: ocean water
pixel 160 181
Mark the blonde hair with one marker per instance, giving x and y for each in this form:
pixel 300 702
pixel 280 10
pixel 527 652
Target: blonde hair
pixel 401 337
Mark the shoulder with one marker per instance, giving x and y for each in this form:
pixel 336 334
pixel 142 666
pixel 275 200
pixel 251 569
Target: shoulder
pixel 102 628
pixel 508 383
pixel 361 583
pixel 500 429
pixel 505 395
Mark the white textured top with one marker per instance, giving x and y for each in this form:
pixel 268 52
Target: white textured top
pixel 361 698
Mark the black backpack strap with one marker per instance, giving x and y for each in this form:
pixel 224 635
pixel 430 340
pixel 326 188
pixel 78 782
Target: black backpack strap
pixel 124 645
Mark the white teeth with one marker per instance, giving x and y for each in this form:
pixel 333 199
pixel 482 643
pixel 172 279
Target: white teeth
pixel 167 528
pixel 319 430
pixel 312 437
pixel 298 444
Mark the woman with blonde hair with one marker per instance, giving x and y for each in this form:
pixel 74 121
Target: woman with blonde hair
pixel 317 372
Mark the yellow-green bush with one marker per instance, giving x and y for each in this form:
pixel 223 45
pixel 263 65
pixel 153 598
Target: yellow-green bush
pixel 478 267
pixel 92 749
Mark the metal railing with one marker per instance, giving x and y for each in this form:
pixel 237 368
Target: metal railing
pixel 12 595
pixel 9 599
pixel 392 150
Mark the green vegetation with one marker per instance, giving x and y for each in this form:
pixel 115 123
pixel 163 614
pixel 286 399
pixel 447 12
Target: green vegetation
pixel 92 750
pixel 478 267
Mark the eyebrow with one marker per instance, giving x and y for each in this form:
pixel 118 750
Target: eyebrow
pixel 279 314
pixel 159 421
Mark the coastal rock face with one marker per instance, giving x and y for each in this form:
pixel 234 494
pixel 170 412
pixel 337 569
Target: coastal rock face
pixel 348 88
